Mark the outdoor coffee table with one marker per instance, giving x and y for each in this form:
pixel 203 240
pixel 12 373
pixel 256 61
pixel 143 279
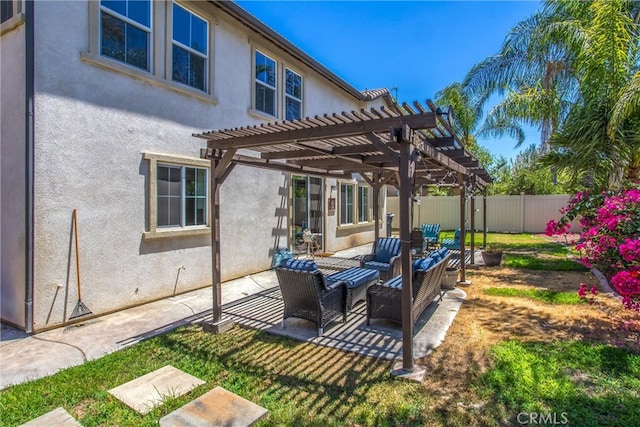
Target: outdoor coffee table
pixel 336 263
pixel 357 280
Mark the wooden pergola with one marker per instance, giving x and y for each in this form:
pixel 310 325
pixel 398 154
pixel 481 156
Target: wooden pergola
pixel 404 146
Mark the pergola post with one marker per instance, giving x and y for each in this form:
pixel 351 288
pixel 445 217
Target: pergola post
pixel 216 176
pixel 405 245
pixel 484 220
pixel 472 222
pixel 376 205
pixel 463 236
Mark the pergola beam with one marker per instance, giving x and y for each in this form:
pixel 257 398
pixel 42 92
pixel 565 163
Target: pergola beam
pixel 340 130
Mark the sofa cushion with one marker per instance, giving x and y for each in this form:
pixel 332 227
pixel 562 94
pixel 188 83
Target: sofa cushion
pixel 425 264
pixel 380 266
pixel 354 276
pixel 395 283
pixel 386 248
pixel 299 265
pixel 443 252
pixel 416 264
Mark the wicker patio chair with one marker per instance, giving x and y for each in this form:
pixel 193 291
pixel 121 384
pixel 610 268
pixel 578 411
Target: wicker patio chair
pixel 385 257
pixel 452 243
pixel 384 301
pixel 307 296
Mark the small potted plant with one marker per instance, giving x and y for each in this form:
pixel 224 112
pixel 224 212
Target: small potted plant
pixel 491 256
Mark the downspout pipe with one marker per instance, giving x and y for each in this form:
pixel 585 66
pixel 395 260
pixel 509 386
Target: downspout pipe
pixel 29 169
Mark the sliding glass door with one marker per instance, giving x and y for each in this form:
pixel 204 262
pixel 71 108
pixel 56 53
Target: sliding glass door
pixel 307 210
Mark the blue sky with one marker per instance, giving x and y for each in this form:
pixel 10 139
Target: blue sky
pixel 417 46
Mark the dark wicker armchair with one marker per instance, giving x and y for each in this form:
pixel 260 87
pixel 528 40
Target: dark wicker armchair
pixel 385 257
pixel 384 301
pixel 307 296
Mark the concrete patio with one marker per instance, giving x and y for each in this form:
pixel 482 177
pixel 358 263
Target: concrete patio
pixel 252 301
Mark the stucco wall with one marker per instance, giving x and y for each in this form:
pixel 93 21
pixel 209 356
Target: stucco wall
pixel 12 167
pixel 93 126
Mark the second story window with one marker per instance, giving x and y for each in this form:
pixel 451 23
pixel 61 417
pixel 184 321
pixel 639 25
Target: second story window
pixel 190 34
pixel 265 81
pixel 293 95
pixel 125 30
pixel 6 10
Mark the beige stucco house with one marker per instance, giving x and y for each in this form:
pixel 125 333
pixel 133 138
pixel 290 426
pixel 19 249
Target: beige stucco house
pixel 100 100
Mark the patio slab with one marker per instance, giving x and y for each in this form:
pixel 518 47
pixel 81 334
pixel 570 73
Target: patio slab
pixel 59 417
pixel 381 339
pixel 217 408
pixel 145 393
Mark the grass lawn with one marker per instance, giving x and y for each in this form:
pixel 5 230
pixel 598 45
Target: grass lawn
pixel 520 344
pixel 527 251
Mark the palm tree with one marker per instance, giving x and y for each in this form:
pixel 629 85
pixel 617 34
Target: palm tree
pixel 534 74
pixel 466 118
pixel 572 69
pixel 600 138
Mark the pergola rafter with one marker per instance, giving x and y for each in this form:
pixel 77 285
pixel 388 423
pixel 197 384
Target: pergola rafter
pixel 401 145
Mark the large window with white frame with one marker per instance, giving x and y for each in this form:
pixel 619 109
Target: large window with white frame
pixel 364 203
pixel 355 204
pixel 293 95
pixel 125 31
pixel 265 84
pixel 347 205
pixel 181 196
pixel 190 50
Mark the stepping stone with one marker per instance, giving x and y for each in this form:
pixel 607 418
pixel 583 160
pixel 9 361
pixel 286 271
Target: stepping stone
pixel 56 418
pixel 217 408
pixel 145 393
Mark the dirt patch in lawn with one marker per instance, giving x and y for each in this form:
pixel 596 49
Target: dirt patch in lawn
pixel 485 320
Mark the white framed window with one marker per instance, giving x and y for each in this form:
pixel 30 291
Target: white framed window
pixel 355 204
pixel 364 204
pixel 181 196
pixel 293 95
pixel 125 31
pixel 265 96
pixel 190 54
pixel 347 205
pixel 178 196
pixel 6 10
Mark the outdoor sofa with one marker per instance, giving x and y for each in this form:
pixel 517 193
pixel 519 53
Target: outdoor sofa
pixel 309 294
pixel 384 301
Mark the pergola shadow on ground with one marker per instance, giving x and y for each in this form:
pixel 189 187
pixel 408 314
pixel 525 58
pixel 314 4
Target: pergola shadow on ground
pixel 381 339
pixel 404 146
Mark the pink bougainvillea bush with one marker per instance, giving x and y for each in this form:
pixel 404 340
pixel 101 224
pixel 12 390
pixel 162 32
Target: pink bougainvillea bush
pixel 610 240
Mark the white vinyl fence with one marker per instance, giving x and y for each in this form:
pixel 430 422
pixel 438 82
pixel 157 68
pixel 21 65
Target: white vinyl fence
pixel 507 214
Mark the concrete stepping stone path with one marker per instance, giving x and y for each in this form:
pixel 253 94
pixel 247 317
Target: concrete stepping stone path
pixel 145 393
pixel 56 418
pixel 217 408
